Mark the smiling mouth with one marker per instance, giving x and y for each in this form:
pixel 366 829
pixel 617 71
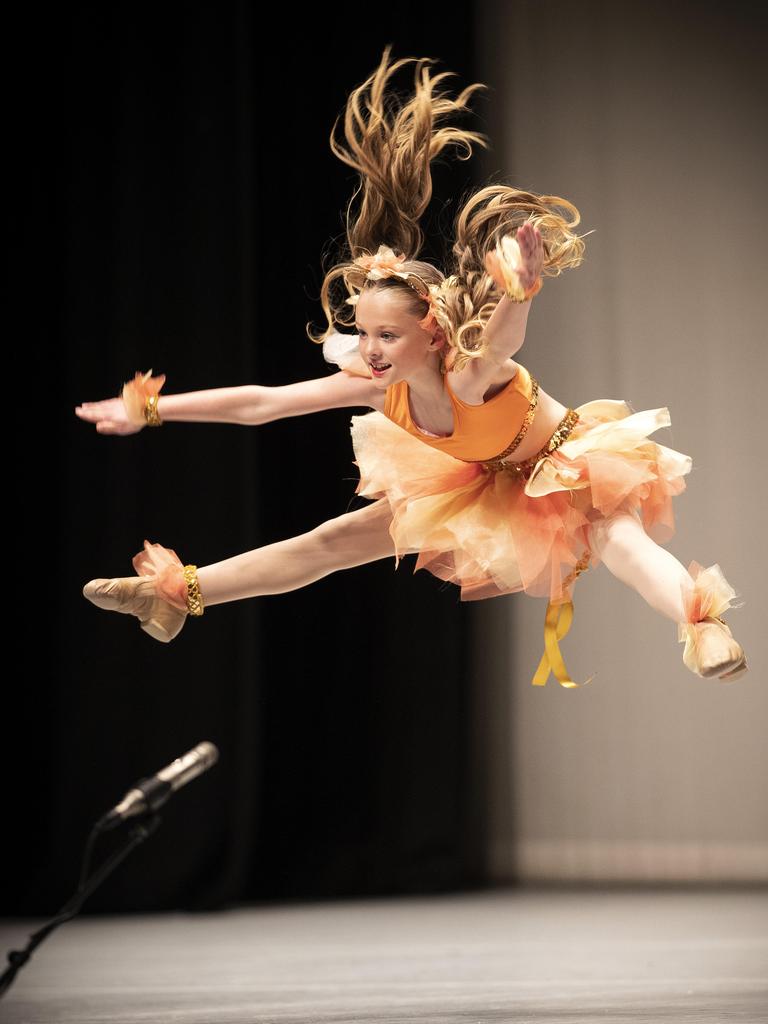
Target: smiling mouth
pixel 380 366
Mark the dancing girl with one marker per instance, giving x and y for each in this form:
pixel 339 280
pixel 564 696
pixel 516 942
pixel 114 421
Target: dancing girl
pixel 468 463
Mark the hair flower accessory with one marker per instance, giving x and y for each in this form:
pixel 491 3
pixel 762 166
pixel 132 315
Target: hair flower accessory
pixel 386 264
pixel 383 264
pixel 432 297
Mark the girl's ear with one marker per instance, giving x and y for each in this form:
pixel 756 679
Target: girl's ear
pixel 438 338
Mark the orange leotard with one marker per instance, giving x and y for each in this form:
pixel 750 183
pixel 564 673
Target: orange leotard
pixel 481 432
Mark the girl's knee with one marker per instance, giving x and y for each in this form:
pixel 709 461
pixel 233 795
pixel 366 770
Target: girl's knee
pixel 617 534
pixel 370 521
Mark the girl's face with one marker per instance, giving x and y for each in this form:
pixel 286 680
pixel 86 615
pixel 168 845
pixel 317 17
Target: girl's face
pixel 391 341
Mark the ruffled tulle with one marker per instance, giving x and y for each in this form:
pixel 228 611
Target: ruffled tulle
pixel 494 533
pixel 167 569
pixel 343 350
pixel 709 596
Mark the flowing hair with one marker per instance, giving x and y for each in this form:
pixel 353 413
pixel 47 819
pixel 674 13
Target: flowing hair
pixel 391 144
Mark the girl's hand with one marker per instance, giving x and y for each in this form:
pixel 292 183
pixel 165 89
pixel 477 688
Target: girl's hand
pixel 517 261
pixel 110 416
pixel 531 246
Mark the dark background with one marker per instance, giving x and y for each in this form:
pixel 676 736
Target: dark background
pixel 178 193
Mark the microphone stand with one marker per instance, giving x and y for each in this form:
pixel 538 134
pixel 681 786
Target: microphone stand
pixel 141 830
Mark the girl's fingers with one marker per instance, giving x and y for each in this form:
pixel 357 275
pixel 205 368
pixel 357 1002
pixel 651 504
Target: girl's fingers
pixel 530 237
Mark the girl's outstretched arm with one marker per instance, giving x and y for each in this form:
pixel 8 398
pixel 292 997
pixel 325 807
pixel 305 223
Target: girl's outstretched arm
pixel 505 331
pixel 248 405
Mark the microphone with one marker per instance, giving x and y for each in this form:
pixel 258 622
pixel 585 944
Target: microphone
pixel 150 793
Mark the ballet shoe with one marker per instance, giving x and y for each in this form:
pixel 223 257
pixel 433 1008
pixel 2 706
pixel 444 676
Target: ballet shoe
pixel 137 595
pixel 713 651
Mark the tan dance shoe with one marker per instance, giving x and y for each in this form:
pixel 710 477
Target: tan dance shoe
pixel 137 595
pixel 714 652
pixel 161 596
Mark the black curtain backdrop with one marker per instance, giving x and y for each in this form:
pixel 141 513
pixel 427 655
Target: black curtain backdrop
pixel 181 194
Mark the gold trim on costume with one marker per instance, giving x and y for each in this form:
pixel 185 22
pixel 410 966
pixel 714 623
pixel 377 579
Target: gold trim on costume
pixel 561 434
pixel 496 462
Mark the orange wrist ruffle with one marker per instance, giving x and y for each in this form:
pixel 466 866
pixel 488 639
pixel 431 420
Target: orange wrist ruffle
pixel 503 266
pixel 135 393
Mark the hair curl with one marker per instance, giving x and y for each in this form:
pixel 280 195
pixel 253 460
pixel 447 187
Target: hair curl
pixel 391 144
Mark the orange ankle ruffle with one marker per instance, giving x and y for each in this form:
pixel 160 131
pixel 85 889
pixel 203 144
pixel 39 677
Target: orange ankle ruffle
pixel 708 596
pixel 168 571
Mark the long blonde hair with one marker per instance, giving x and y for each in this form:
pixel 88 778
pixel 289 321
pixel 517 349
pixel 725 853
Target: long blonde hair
pixel 391 145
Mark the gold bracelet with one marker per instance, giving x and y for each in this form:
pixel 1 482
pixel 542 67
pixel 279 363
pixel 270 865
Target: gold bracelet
pixel 194 597
pixel 151 413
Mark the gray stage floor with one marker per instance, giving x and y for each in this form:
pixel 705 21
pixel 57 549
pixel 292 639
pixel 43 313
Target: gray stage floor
pixel 514 955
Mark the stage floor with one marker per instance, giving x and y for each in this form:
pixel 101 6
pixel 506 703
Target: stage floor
pixel 507 955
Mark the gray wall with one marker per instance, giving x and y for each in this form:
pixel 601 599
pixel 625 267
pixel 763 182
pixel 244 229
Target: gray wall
pixel 651 119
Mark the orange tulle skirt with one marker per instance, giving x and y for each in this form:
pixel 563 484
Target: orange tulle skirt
pixel 494 532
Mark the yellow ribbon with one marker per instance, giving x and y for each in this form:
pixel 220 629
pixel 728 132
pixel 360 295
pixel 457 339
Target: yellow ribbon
pixel 556 625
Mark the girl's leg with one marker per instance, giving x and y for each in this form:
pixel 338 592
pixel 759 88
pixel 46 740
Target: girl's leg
pixel 159 596
pixel 632 557
pixel 341 543
pixel 655 573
